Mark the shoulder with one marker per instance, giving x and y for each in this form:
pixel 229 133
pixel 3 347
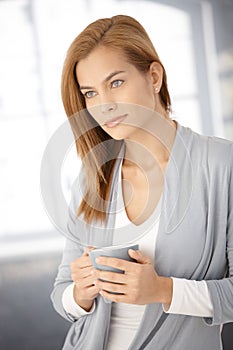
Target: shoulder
pixel 207 150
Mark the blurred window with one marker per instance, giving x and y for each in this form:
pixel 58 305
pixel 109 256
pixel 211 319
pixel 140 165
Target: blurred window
pixel 34 37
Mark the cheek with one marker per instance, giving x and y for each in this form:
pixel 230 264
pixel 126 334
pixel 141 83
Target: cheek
pixel 97 118
pixel 143 96
pixel 95 112
pixel 90 104
pixel 147 94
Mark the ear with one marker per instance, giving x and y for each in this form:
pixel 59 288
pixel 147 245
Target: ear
pixel 156 75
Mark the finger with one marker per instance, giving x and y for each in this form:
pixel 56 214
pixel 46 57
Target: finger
pixel 110 276
pixel 83 273
pixel 81 262
pixel 117 298
pixel 139 257
pixel 89 292
pixel 84 282
pixel 110 287
pixel 116 263
pixel 87 250
pixel 92 291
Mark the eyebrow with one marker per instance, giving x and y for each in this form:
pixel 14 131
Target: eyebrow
pixel 110 76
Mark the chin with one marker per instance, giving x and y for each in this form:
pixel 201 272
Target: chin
pixel 116 133
pixel 116 136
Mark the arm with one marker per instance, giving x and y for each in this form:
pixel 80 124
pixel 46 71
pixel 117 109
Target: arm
pixel 70 305
pixel 211 299
pixel 221 291
pixel 74 261
pixel 76 274
pixel 63 278
pixel 191 298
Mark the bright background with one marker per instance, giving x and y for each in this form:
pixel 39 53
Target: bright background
pixel 194 41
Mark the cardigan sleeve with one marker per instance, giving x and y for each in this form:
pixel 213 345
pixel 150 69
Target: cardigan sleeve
pixel 71 307
pixel 190 297
pixel 221 291
pixel 63 278
pixel 72 250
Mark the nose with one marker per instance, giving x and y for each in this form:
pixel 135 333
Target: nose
pixel 108 107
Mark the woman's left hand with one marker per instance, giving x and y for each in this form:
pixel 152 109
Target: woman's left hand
pixel 140 284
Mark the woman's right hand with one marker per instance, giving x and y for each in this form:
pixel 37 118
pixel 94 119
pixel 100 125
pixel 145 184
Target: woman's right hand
pixel 85 290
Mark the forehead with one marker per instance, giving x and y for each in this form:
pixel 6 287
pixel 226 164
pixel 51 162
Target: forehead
pixel 100 63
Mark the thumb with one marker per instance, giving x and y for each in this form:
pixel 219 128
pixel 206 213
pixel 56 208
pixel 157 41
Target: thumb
pixel 87 250
pixel 139 257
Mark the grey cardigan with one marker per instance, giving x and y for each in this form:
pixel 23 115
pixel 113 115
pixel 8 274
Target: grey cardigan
pixel 195 241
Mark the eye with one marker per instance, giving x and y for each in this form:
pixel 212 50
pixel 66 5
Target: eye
pixel 117 83
pixel 89 94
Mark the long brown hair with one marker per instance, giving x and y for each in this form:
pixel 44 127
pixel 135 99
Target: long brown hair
pixel 96 148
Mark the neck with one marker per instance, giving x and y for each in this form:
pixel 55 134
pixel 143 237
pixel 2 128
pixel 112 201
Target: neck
pixel 151 146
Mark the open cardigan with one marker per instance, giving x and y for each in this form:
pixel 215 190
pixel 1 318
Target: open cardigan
pixel 195 241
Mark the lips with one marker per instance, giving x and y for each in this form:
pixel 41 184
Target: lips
pixel 115 121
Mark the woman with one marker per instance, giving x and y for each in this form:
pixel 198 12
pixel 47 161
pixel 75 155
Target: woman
pixel 144 179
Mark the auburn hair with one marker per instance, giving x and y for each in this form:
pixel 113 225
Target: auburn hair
pixel 97 150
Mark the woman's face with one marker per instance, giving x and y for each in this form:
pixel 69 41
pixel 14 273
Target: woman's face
pixel 116 93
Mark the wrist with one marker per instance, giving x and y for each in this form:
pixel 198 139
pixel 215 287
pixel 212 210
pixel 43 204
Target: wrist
pixel 166 289
pixel 85 304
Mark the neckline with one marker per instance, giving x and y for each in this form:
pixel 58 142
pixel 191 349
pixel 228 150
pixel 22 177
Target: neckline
pixel 155 214
pixel 159 206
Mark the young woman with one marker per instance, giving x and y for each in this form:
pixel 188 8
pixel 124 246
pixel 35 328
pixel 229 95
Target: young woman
pixel 144 179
